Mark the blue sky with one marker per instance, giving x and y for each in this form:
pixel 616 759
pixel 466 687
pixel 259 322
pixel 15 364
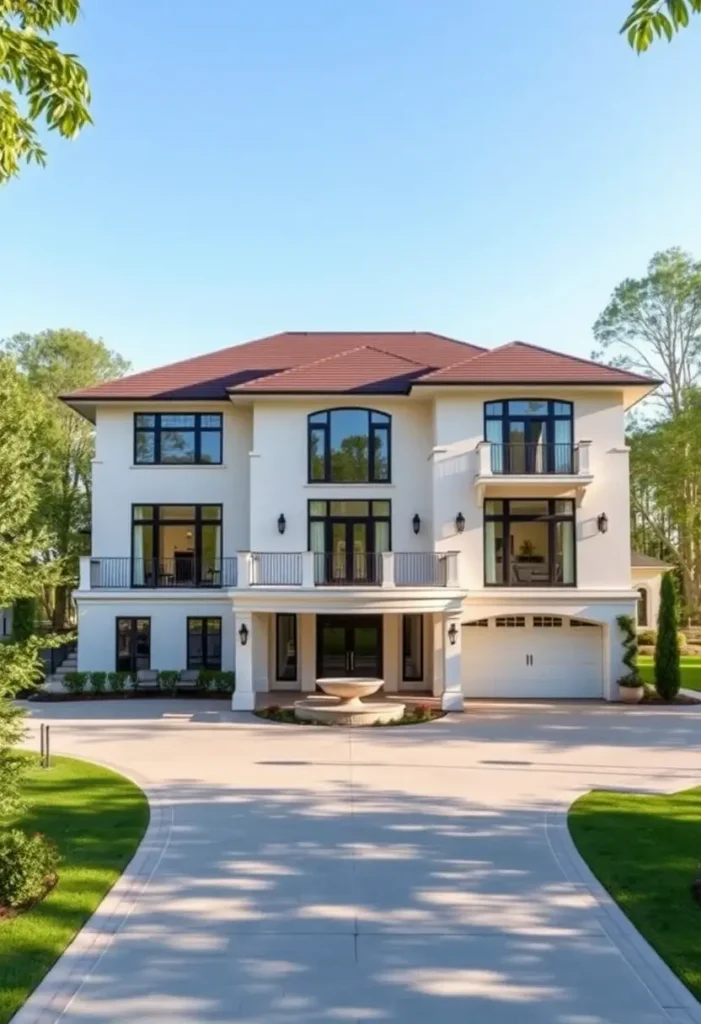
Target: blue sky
pixel 489 171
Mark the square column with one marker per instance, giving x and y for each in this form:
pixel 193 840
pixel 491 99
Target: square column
pixel 243 698
pixel 451 697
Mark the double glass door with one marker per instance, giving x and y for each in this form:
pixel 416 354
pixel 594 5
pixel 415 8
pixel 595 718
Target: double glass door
pixel 349 646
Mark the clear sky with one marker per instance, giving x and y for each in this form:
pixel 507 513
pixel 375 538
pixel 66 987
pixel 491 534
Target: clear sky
pixel 486 170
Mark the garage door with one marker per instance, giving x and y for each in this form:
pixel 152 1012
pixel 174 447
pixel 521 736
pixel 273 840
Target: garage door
pixel 532 656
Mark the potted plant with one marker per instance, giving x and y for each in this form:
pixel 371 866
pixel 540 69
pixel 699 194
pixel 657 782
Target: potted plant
pixel 526 553
pixel 630 686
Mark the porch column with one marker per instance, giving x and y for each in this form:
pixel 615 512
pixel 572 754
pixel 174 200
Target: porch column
pixel 451 697
pixel 243 698
pixel 438 660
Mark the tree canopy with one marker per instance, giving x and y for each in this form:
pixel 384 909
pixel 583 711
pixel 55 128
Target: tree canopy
pixel 49 84
pixel 651 19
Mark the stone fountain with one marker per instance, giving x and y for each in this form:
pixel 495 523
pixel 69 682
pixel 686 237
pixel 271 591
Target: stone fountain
pixel 343 705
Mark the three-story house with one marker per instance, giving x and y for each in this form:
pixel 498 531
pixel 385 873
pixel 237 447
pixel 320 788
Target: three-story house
pixel 403 506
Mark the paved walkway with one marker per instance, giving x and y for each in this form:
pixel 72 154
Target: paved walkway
pixel 420 874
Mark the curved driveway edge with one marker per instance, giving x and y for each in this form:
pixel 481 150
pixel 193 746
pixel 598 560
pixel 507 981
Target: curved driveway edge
pixel 659 979
pixel 52 996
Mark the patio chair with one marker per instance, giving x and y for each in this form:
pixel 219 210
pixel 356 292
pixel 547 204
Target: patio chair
pixel 189 679
pixel 147 679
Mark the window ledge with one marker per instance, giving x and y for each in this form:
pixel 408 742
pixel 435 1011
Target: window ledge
pixel 181 465
pixel 348 487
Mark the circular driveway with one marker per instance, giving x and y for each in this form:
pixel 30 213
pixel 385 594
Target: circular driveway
pixel 420 874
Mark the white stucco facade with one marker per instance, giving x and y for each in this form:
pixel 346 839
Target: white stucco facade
pixel 437 471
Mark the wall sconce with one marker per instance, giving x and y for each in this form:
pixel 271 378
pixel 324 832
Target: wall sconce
pixel 460 522
pixel 603 522
pixel 416 522
pixel 453 634
pixel 243 634
pixel 281 523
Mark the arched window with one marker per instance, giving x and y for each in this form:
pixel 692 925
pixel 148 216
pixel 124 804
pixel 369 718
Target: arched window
pixel 349 446
pixel 530 435
pixel 642 606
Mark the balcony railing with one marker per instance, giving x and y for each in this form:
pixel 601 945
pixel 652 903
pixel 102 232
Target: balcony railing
pixel 524 459
pixel 348 569
pixel 421 569
pixel 276 569
pixel 125 573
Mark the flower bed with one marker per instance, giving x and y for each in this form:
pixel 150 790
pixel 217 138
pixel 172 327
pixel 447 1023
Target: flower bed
pixel 415 714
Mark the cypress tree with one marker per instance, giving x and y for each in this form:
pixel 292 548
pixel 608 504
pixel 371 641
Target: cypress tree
pixel 667 673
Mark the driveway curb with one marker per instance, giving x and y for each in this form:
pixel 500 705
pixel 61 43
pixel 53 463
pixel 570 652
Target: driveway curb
pixel 674 998
pixel 52 996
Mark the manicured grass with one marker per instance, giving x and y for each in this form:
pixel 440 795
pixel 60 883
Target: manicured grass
pixel 645 850
pixel 691 670
pixel 97 818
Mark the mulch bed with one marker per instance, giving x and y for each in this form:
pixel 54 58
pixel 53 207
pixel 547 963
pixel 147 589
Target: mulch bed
pixel 288 716
pixel 43 697
pixel 653 699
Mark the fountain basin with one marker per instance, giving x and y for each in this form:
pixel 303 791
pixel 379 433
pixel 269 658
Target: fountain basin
pixel 342 704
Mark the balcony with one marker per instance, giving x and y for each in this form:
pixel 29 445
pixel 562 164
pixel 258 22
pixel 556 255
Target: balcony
pixel 532 470
pixel 275 569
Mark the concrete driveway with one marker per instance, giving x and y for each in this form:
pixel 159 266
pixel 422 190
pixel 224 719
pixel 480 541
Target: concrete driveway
pixel 421 874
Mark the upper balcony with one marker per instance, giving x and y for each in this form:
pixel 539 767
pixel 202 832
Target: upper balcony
pixel 274 569
pixel 532 470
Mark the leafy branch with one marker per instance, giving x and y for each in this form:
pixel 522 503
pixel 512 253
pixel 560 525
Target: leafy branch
pixel 656 18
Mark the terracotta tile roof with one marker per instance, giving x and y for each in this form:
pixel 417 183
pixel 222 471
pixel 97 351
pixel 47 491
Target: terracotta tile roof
pixel 520 363
pixel 366 369
pixel 209 376
pixel 640 561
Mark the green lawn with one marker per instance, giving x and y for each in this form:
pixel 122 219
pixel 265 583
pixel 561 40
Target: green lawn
pixel 97 818
pixel 645 850
pixel 691 670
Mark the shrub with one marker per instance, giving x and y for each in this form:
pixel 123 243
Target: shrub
pixel 647 637
pixel 24 618
pixel 423 712
pixel 626 624
pixel 28 866
pixel 168 680
pixel 213 679
pixel 75 682
pixel 667 675
pixel 681 640
pixel 98 682
pixel 117 681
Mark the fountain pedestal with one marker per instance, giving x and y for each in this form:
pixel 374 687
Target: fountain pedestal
pixel 343 704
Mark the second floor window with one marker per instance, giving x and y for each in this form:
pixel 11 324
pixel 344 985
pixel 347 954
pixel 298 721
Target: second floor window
pixel 176 545
pixel 177 438
pixel 529 435
pixel 529 543
pixel 348 446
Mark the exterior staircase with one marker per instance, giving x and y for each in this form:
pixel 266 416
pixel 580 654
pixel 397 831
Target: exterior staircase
pixel 54 683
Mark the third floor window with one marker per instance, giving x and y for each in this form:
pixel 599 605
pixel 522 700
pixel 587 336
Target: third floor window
pixel 177 438
pixel 349 446
pixel 530 435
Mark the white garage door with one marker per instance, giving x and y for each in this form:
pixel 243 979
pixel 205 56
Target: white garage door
pixel 532 656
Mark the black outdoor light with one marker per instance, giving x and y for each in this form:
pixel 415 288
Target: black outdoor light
pixel 460 522
pixel 453 633
pixel 603 522
pixel 243 634
pixel 281 523
pixel 416 522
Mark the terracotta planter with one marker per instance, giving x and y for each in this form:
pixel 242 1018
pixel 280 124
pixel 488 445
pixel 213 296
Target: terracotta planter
pixel 631 694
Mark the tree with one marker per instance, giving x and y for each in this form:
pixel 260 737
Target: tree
pixel 56 362
pixel 650 18
pixel 667 676
pixel 23 573
pixel 54 84
pixel 653 325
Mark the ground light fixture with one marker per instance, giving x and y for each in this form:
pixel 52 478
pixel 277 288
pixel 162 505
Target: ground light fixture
pixel 603 522
pixel 416 522
pixel 460 522
pixel 453 634
pixel 281 523
pixel 243 634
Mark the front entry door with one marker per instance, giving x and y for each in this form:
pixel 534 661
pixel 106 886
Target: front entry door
pixel 349 646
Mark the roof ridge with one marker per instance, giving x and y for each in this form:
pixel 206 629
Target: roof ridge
pixel 324 359
pixel 575 359
pixel 461 362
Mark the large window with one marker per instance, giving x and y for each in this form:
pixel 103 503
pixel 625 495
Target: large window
pixel 133 645
pixel 177 438
pixel 176 545
pixel 530 436
pixel 204 643
pixel 286 647
pixel 529 543
pixel 348 446
pixel 412 648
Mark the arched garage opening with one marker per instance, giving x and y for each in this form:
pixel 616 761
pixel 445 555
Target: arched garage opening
pixel 533 656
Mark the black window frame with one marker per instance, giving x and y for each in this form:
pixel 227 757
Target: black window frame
pixel 552 518
pixel 410 678
pixel 157 429
pixel 156 521
pixel 551 417
pixel 325 429
pixel 284 677
pixel 132 619
pixel 329 519
pixel 204 633
pixel 644 598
